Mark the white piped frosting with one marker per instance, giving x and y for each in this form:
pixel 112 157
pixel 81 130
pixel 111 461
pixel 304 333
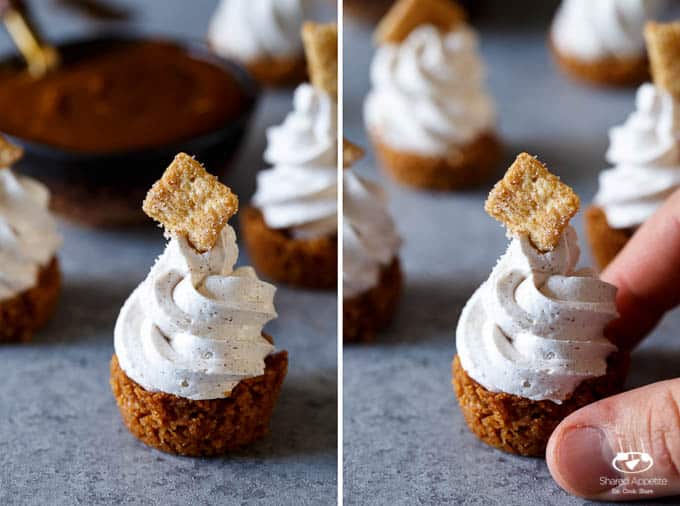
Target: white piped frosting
pixel 645 152
pixel 428 92
pixel 594 30
pixel 535 327
pixel 193 327
pixel 28 233
pixel 370 240
pixel 300 191
pixel 254 29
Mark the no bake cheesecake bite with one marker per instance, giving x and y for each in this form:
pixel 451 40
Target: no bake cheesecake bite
pixel 193 373
pixel 264 35
pixel 428 114
pixel 371 276
pixel 602 42
pixel 29 269
pixel 644 152
pixel 291 229
pixel 530 341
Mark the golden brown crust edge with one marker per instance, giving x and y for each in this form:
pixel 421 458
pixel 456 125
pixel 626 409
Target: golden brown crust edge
pixel 200 428
pixel 605 72
pixel 468 166
pixel 28 311
pixel 605 242
pixel 307 263
pixel 522 426
pixel 366 314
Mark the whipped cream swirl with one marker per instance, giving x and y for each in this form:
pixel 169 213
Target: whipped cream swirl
pixel 193 327
pixel 300 191
pixel 645 152
pixel 28 233
pixel 370 240
pixel 428 92
pixel 254 29
pixel 594 30
pixel 535 327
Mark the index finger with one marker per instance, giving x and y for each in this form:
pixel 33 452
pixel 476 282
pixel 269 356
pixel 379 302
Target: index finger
pixel 647 274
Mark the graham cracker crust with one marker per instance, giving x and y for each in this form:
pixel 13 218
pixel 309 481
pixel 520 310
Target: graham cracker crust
pixel 307 263
pixel 200 428
pixel 26 312
pixel 366 314
pixel 605 242
pixel 606 72
pixel 522 426
pixel 466 166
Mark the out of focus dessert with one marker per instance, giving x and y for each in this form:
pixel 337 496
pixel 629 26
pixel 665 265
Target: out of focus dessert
pixel 291 227
pixel 371 276
pixel 29 241
pixel 428 113
pixel 264 35
pixel 602 42
pixel 644 152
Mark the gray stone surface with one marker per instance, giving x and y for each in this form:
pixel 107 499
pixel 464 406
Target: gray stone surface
pixel 405 438
pixel 61 438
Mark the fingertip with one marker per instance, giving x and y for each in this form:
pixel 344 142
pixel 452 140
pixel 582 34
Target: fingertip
pixel 579 459
pixel 551 459
pixel 647 274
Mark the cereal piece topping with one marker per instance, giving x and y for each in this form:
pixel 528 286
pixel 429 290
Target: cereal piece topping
pixel 663 46
pixel 530 200
pixel 190 202
pixel 351 153
pixel 321 50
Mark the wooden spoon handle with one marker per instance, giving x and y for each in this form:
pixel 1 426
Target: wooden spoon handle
pixel 39 56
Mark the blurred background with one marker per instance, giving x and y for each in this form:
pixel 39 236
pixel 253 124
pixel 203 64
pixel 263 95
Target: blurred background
pixel 119 104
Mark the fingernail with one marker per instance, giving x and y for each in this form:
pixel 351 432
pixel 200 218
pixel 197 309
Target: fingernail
pixel 584 459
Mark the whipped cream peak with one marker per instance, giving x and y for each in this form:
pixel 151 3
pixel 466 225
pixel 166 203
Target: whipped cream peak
pixel 308 135
pixel 435 80
pixel 28 233
pixel 561 260
pixel 193 328
pixel 606 28
pixel 651 132
pixel 300 191
pixel 370 239
pixel 219 260
pixel 252 30
pixel 535 327
pixel 645 152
